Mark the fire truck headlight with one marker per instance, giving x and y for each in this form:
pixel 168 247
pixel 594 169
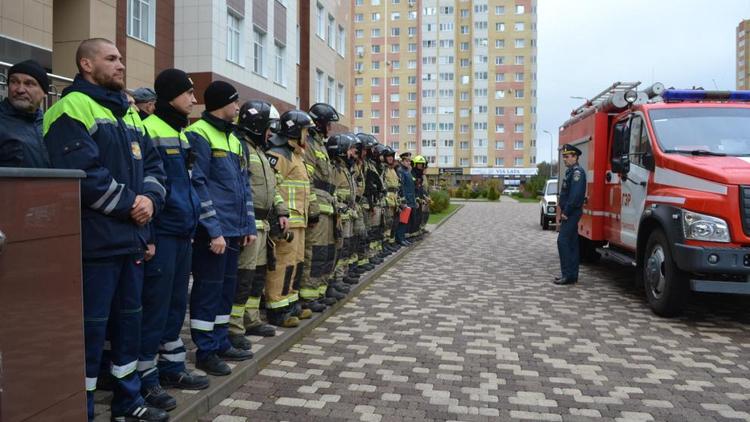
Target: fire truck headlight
pixel 551 209
pixel 704 227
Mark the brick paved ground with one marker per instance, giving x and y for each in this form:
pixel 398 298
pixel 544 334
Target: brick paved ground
pixel 469 327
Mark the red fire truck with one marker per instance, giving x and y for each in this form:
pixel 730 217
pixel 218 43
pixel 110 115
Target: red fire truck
pixel 668 192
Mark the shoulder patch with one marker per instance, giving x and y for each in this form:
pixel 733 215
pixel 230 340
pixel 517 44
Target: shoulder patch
pixel 272 160
pixel 576 175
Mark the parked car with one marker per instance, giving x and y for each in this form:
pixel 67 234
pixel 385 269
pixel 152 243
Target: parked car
pixel 548 204
pixel 510 190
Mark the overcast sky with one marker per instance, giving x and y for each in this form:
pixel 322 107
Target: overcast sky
pixel 586 45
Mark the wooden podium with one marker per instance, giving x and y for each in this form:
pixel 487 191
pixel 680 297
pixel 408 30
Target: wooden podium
pixel 42 375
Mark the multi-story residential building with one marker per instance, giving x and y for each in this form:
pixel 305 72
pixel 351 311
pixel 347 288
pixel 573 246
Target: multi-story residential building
pixel 142 29
pixel 454 81
pixel 325 62
pixel 250 44
pixel 743 55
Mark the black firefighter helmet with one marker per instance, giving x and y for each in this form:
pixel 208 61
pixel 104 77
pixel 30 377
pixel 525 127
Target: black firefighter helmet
pixel 323 113
pixel 337 145
pixel 291 124
pixel 256 116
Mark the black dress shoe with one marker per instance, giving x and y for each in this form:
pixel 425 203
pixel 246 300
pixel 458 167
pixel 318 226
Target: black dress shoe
pixel 564 281
pixel 183 381
pixel 212 365
pixel 143 413
pixel 558 277
pixel 262 330
pixel 236 355
pixel 240 342
pixel 155 396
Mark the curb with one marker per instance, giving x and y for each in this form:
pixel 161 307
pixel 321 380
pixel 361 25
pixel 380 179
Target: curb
pixel 196 405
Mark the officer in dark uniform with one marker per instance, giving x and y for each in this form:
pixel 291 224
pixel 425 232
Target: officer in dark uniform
pixel 572 195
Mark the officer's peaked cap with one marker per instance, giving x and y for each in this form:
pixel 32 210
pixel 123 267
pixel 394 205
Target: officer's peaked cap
pixel 570 149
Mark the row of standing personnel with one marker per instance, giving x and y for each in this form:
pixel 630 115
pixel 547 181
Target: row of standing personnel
pixel 259 207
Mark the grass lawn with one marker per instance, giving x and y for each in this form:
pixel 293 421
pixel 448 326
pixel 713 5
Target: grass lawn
pixel 522 199
pixel 436 218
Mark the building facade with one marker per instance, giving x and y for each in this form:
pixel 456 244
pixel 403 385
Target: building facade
pixel 454 81
pixel 743 55
pixel 250 44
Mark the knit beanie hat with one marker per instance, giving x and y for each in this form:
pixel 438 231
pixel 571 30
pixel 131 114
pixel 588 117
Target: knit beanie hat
pixel 171 83
pixel 218 94
pixel 33 69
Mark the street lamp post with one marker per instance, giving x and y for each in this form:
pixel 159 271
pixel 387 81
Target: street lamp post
pixel 551 152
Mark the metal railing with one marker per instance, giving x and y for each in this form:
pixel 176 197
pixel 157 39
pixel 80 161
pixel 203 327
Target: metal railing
pixel 56 86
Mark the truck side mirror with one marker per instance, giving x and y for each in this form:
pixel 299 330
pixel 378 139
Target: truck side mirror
pixel 625 163
pixel 648 161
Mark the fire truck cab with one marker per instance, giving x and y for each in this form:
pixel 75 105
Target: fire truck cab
pixel 668 187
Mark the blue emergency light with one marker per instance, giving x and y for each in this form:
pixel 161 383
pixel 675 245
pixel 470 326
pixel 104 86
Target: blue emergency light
pixel 672 95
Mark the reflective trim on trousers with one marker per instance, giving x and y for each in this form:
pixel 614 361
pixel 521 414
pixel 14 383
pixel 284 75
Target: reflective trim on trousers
pixel 144 365
pixel 276 305
pixel 252 303
pixel 293 298
pixel 237 311
pixel 221 319
pixel 173 357
pixel 90 384
pixel 309 293
pixel 172 345
pixel 199 325
pixel 122 371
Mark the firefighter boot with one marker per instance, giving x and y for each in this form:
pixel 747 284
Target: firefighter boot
pixel 313 305
pixel 333 293
pixel 240 342
pixel 298 311
pixel 282 318
pixel 155 396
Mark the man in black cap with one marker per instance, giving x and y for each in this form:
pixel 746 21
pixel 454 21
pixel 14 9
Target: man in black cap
pixel 145 100
pixel 572 195
pixel 226 222
pixel 161 361
pixel 21 117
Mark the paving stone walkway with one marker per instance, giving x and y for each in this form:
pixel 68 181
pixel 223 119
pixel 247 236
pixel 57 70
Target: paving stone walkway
pixel 469 327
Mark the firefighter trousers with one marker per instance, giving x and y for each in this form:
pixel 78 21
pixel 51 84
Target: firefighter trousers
pixel 320 256
pixel 214 283
pixel 283 281
pixel 251 278
pixel 165 291
pixel 112 305
pixel 568 247
pixel 344 248
pixel 375 231
pixel 360 234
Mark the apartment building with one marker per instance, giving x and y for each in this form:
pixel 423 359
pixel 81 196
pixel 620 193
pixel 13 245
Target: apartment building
pixel 454 81
pixel 743 55
pixel 325 61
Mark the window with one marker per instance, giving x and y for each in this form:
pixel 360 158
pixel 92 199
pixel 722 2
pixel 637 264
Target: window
pixel 499 10
pixel 446 10
pixel 464 13
pixel 412 31
pixel 446 44
pixel 463 162
pixel 358 98
pixel 519 128
pixel 374 114
pixel 520 43
pixel 411 80
pixel 376 48
pixel 463 128
pixel 499 162
pixel 499 94
pixel 429 110
pixel 358 114
pixel 395 32
pixel 234 35
pixel 375 130
pixel 375 17
pixel 519 60
pixel 319 87
pixel 520 9
pixel 259 41
pixel 480 8
pixel 518 144
pixel 395 98
pixel 480 160
pixel 519 93
pixel 429 143
pixel 518 26
pixel 341 47
pixel 395 130
pixel 464 62
pixel 519 111
pixel 280 59
pixel 448 143
pixel 519 77
pixel 446 27
pixel 141 20
pixel 499 111
pixel 396 64
pixel 412 47
pixel 395 48
pixel 518 161
pixel 463 145
pixel 411 113
pixel 358 17
pixel 464 46
pixel 394 145
pixel 464 29
pixel 376 64
pixel 375 33
pixel 499 128
pixel 331 32
pixel 499 145
pixel 480 25
pixel 341 99
pixel 499 43
pixel 375 98
pixel 411 129
pixel 320 29
pixel 395 81
pixel 331 91
pixel 499 60
pixel 395 16
pixel 359 33
pixel 500 27
pixel 412 64
pixel 394 113
pixel 412 96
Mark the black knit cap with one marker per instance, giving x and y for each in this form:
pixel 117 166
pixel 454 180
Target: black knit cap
pixel 33 69
pixel 171 83
pixel 218 94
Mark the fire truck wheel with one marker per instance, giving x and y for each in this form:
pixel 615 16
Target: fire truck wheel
pixel 666 285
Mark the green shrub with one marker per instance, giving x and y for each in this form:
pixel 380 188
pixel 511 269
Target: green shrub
pixel 493 194
pixel 440 201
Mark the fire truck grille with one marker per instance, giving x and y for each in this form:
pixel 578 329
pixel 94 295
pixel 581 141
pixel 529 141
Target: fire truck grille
pixel 745 208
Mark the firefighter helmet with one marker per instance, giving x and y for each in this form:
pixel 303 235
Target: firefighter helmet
pixel 323 113
pixel 368 141
pixel 256 116
pixel 292 122
pixel 339 144
pixel 419 160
